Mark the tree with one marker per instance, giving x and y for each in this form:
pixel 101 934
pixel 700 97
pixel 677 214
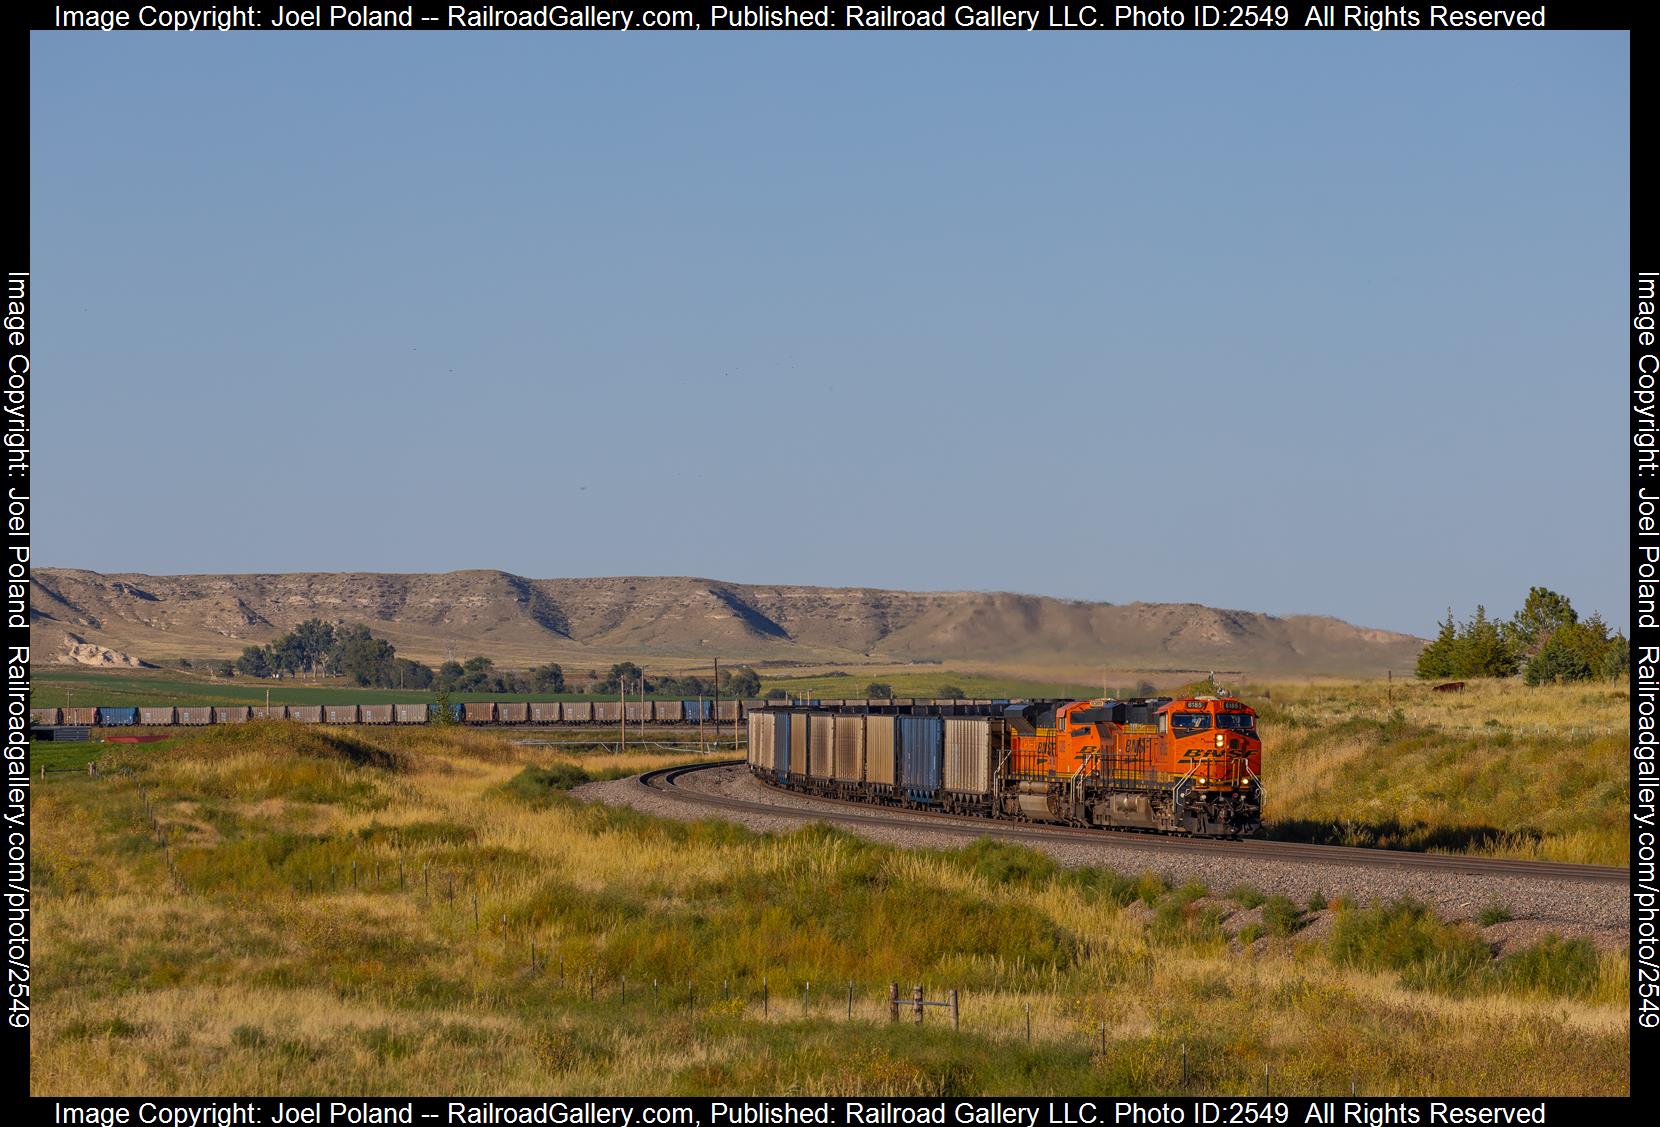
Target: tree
pixel 313 639
pixel 361 657
pixel 1543 613
pixel 1482 650
pixel 1615 662
pixel 1557 660
pixel 222 668
pixel 951 692
pixel 1437 659
pixel 549 678
pixel 623 673
pixel 878 690
pixel 740 682
pixel 254 662
pixel 776 694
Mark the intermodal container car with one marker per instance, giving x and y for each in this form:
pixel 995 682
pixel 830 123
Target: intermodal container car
pixel 306 713
pixel 512 712
pixel 921 741
pixel 45 717
pixel 116 717
pixel 970 754
pixel 411 713
pixel 879 752
pixel 377 713
pixel 578 711
pixel 849 740
pixel 340 713
pixel 195 717
pixel 232 714
pixel 544 712
pixel 478 712
pixel 669 711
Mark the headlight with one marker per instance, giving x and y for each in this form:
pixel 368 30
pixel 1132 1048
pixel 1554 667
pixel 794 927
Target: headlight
pixel 1221 740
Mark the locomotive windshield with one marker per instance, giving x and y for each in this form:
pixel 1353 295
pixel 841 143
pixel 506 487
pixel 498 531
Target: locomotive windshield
pixel 1189 721
pixel 1238 720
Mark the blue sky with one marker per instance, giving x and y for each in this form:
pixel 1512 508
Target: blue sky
pixel 1294 323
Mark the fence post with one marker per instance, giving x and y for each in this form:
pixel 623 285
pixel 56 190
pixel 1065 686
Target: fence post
pixel 893 1001
pixel 1184 1066
pixel 1104 1040
pixel 849 999
pixel 954 1014
pixel 764 995
pixel 1028 1023
pixel 916 1002
pixel 622 989
pixel 806 998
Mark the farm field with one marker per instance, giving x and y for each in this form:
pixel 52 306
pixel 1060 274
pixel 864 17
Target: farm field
pixel 275 909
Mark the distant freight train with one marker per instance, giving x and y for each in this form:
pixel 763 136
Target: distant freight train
pixel 1186 765
pixel 468 712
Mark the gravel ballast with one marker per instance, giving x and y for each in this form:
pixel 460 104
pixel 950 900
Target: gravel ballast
pixel 1597 911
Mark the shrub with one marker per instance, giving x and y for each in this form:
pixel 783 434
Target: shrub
pixel 1494 913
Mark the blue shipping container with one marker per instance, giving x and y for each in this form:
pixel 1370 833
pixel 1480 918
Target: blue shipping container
pixel 921 755
pixel 781 743
pixel 118 717
pixel 455 710
pixel 697 710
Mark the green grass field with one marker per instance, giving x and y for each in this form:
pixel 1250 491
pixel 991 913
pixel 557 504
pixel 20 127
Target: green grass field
pixel 274 909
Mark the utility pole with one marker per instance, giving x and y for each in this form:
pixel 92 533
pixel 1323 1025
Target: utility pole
pixel 716 716
pixel 622 711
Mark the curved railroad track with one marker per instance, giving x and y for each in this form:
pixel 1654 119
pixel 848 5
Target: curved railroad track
pixel 847 812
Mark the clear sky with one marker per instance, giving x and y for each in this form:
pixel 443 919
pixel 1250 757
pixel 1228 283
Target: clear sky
pixel 1298 323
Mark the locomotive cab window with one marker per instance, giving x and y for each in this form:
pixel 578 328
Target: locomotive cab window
pixel 1239 721
pixel 1190 721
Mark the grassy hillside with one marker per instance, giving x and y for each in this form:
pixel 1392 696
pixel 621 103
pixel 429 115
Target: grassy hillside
pixel 274 909
pixel 1498 769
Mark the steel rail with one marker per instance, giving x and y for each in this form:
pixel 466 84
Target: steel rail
pixel 840 811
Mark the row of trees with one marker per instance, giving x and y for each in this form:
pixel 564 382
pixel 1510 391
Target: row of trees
pixel 1546 641
pixel 317 648
pixel 733 683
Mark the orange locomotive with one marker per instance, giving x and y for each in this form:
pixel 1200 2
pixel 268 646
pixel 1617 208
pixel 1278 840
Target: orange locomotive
pixel 1188 765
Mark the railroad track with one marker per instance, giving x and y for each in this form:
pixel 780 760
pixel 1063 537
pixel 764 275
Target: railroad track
pixel 847 812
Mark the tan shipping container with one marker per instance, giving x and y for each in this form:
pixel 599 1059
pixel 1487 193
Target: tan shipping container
pixel 544 712
pixel 761 750
pixel 412 713
pixel 726 710
pixel 236 714
pixel 879 750
pixel 577 711
pixel 273 712
pixel 969 754
pixel 822 752
pixel 850 749
pixel 377 713
pixel 156 716
pixel 513 712
pixel 478 711
pixel 639 711
pixel 607 711
pixel 44 716
pixel 196 716
pixel 668 711
pixel 80 716
pixel 340 713
pixel 306 713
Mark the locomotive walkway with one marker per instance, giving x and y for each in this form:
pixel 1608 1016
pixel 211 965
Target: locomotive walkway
pixel 846 812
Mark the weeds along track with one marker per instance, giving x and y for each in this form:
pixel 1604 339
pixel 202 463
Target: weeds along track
pixel 848 812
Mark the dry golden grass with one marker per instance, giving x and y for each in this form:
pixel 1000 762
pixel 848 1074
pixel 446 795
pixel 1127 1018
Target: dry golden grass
pixel 323 937
pixel 1498 769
